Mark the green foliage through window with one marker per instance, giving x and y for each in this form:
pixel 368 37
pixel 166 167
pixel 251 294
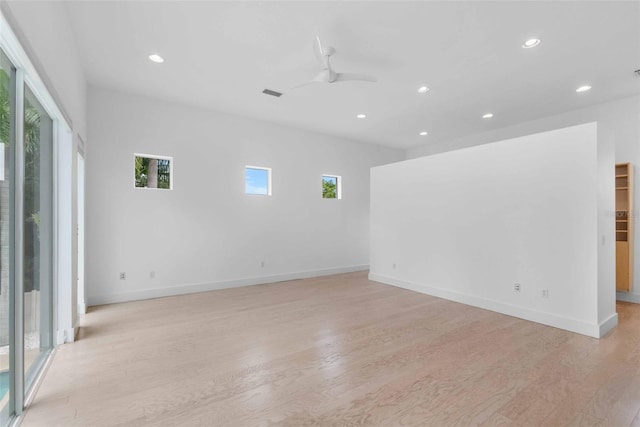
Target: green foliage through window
pixel 5 119
pixel 152 172
pixel 329 187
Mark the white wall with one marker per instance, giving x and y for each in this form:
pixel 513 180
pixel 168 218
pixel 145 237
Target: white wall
pixel 44 31
pixel 466 225
pixel 606 235
pixel 206 233
pixel 619 120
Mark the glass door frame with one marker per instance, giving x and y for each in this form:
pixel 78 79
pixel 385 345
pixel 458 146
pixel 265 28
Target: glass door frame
pixel 46 248
pixel 17 349
pixel 27 76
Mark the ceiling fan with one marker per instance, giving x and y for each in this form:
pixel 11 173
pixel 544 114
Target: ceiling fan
pixel 327 74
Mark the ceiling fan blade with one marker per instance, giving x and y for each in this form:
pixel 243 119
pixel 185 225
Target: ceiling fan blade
pixel 321 77
pixel 320 53
pixel 353 77
pixel 304 84
pixel 319 46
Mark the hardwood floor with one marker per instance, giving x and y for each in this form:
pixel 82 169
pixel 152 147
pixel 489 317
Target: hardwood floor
pixel 335 351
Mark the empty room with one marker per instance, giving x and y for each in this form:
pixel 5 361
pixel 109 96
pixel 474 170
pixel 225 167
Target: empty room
pixel 319 213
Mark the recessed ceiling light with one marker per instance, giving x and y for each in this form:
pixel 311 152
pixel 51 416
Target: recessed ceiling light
pixel 423 89
pixel 583 88
pixel 487 116
pixel 361 116
pixel 424 133
pixel 531 43
pixel 156 58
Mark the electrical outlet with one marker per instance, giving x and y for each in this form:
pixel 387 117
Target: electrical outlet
pixel 152 275
pixel 394 265
pixel 123 276
pixel 261 264
pixel 545 293
pixel 516 287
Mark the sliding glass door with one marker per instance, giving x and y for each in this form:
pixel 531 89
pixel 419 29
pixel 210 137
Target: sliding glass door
pixel 7 319
pixel 37 234
pixel 26 238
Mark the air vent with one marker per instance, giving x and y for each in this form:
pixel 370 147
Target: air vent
pixel 637 73
pixel 272 93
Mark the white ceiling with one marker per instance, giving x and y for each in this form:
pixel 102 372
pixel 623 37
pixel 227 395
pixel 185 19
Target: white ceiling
pixel 221 55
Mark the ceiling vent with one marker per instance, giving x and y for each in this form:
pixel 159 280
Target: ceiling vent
pixel 272 93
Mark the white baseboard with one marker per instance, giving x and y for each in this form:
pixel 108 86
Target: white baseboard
pixel 64 336
pixel 70 335
pixel 82 308
pixel 549 319
pixel 214 286
pixel 628 297
pixel 608 324
pixel 59 337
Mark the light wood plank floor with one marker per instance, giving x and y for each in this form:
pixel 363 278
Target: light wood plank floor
pixel 335 351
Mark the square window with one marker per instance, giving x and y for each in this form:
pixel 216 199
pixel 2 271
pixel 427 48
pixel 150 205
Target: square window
pixel 151 171
pixel 257 180
pixel 331 187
